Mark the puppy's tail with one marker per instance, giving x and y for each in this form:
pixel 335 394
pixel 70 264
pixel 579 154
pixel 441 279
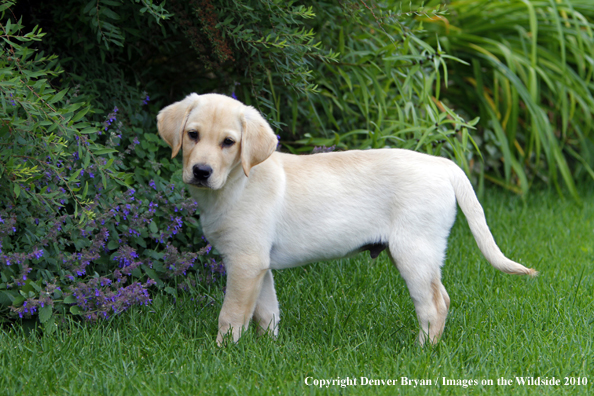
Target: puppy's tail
pixel 475 216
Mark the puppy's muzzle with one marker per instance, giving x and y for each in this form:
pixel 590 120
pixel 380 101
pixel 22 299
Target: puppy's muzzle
pixel 201 174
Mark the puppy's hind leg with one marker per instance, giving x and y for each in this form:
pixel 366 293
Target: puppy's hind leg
pixel 419 263
pixel 267 313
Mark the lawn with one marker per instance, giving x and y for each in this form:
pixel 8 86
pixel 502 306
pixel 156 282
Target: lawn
pixel 353 319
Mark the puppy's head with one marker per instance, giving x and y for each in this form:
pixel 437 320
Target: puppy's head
pixel 216 133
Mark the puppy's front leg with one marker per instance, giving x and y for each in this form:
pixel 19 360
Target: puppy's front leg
pixel 244 283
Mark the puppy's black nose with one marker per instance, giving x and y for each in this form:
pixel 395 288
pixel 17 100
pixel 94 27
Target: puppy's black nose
pixel 202 172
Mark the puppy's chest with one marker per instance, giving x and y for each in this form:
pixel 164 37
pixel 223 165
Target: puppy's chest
pixel 212 226
pixel 214 216
pixel 225 230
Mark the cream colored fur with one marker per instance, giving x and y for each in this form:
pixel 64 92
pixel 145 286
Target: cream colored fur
pixel 265 210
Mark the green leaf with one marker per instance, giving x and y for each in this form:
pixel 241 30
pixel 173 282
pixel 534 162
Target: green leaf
pixel 104 151
pixel 110 14
pixel 18 301
pixel 151 273
pixel 70 299
pixel 474 121
pixel 88 130
pixel 6 298
pixel 45 313
pixel 80 114
pixel 153 227
pixel 49 327
pixel 34 285
pixel 57 97
pixel 90 7
pixel 76 310
pixel 87 159
pixel 4 6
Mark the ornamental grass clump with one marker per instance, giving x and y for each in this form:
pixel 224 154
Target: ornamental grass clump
pixel 529 75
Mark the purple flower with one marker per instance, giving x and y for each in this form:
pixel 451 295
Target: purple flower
pixel 125 256
pixel 132 231
pixel 323 149
pixel 177 224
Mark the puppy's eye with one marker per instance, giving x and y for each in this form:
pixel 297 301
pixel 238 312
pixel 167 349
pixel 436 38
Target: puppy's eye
pixel 228 142
pixel 193 135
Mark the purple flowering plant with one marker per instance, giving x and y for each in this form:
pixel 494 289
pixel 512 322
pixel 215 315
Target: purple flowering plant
pixel 93 216
pixel 134 238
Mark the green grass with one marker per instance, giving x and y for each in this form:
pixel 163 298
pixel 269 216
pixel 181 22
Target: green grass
pixel 352 318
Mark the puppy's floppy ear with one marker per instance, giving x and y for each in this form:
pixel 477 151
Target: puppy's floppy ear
pixel 172 119
pixel 258 142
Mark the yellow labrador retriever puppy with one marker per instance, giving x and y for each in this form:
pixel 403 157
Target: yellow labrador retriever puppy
pixel 265 210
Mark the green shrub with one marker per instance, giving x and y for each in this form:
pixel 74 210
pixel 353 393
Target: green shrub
pixel 383 91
